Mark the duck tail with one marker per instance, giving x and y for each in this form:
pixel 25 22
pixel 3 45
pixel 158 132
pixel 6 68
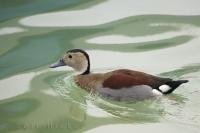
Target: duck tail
pixel 172 85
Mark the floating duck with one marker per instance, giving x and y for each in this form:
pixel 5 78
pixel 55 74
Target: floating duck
pixel 121 84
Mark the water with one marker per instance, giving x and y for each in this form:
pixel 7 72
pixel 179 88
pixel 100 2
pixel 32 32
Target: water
pixel 161 40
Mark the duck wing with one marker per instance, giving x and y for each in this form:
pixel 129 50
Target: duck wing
pixel 125 78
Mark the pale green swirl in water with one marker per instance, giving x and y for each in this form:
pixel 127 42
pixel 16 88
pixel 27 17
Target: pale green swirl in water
pixel 67 89
pixel 159 44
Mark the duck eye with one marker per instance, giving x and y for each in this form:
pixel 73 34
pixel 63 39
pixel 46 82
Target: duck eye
pixel 70 56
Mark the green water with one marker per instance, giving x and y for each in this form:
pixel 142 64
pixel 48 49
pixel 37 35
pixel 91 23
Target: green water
pixel 34 98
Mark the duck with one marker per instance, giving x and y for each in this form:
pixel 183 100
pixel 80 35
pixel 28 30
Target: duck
pixel 121 84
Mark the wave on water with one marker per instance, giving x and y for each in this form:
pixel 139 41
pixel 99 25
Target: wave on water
pixel 98 106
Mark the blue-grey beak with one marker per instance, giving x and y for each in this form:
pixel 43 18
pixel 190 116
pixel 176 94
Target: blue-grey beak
pixel 58 64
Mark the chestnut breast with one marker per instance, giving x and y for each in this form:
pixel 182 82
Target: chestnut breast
pixel 90 81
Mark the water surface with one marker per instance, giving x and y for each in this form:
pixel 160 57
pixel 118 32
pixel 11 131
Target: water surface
pixel 162 40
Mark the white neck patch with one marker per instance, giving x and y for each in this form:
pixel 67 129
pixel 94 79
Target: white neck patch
pixel 83 68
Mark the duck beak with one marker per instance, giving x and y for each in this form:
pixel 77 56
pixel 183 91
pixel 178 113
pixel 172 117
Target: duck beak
pixel 58 64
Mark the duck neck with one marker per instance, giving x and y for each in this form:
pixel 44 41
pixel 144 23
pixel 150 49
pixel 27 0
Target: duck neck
pixel 86 72
pixel 84 69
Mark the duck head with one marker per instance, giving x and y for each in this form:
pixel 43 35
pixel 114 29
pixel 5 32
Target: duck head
pixel 77 59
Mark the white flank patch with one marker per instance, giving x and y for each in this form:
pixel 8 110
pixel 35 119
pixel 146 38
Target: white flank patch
pixel 112 10
pixel 156 92
pixel 164 88
pixel 11 30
